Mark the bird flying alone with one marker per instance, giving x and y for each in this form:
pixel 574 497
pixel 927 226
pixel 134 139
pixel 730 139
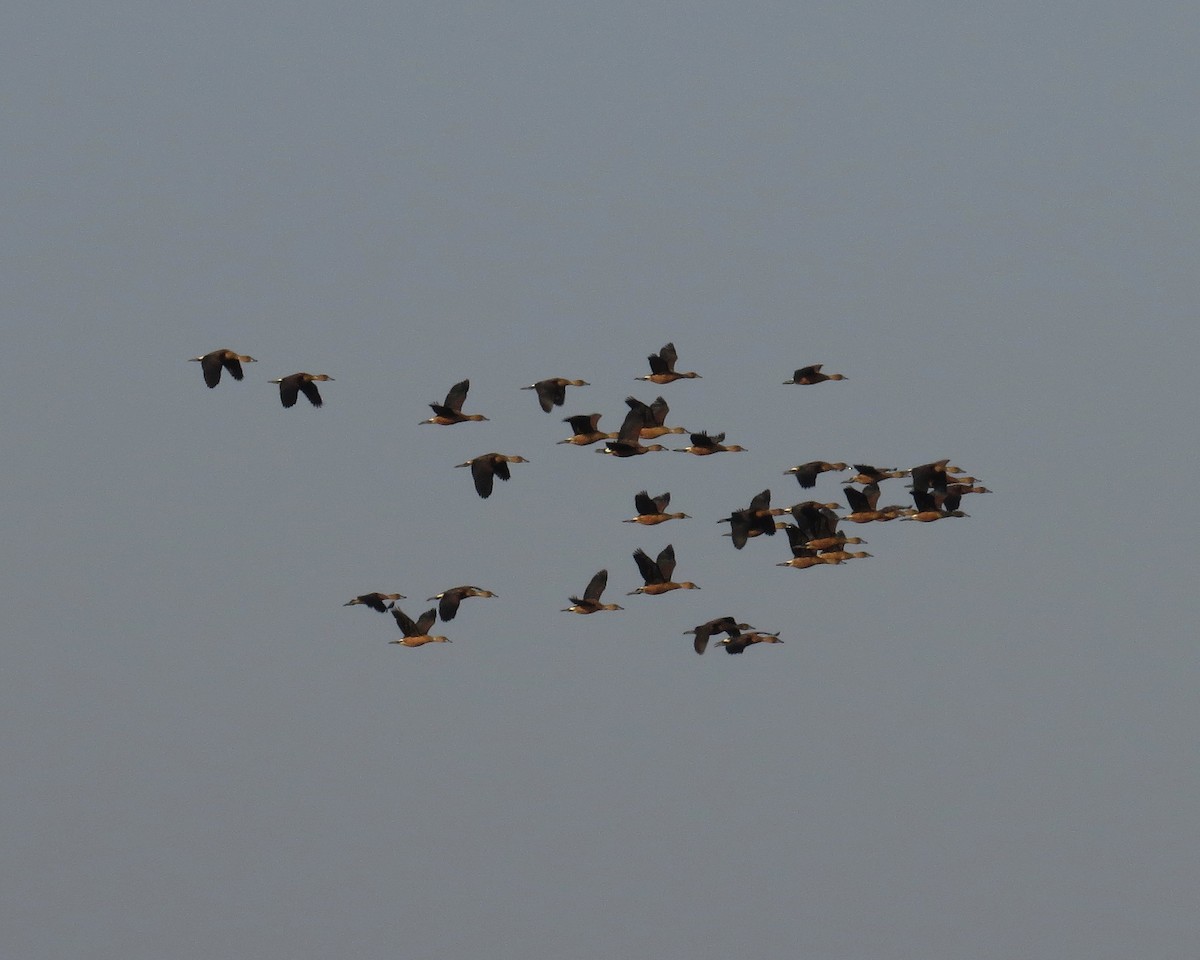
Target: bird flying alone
pixel 375 601
pixel 487 467
pixel 450 599
pixel 291 386
pixel 812 374
pixel 657 573
pixel 590 601
pixel 553 392
pixel 662 367
pixel 416 633
pixel 450 412
pixel 211 365
pixel 653 510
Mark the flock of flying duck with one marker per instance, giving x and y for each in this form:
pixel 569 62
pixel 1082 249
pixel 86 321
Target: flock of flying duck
pixel 812 532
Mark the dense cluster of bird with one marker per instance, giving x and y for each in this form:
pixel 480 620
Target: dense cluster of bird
pixel 811 527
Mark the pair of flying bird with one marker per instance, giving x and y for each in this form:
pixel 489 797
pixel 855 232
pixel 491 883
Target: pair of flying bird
pixel 290 387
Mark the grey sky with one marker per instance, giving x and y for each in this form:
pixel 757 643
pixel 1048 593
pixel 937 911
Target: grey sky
pixel 980 743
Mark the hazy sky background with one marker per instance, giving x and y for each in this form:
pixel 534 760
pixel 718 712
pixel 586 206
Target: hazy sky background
pixel 980 743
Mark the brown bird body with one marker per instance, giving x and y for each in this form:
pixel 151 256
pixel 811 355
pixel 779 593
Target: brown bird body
pixel 488 466
pixel 291 386
pixel 416 633
pixel 654 418
pixel 837 556
pixel 450 412
pixel 590 601
pixel 806 473
pixel 963 488
pixel 739 643
pixel 934 506
pixel 657 573
pixel 803 562
pixel 832 543
pixel 726 625
pixel 812 374
pixel 662 367
pixel 628 442
pixel 211 365
pixel 870 474
pixel 553 392
pixel 376 601
pixel 652 510
pixel 814 521
pixel 450 599
pixel 586 431
pixel 704 444
pixel 754 520
pixel 929 475
pixel 864 506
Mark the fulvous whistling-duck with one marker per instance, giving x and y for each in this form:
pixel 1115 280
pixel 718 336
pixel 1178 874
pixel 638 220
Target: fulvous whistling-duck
pixel 704 444
pixel 863 505
pixel 803 556
pixel 758 531
pixel 211 364
pixel 291 386
pixel 487 466
pixel 758 518
pixel 628 442
pixel 961 488
pixel 662 367
pixel 585 431
pixel 553 392
pixel 416 634
pixel 803 561
pixel 590 601
pixel 812 374
pixel 931 475
pixel 657 573
pixel 806 473
pixel 837 556
pixel 652 510
pixel 739 643
pixel 450 412
pixel 450 599
pixel 815 520
pixel 725 625
pixel 834 542
pixel 375 601
pixel 654 418
pixel 934 506
pixel 869 474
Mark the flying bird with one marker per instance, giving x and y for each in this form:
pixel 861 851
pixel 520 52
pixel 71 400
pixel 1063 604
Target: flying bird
pixel 212 363
pixel 485 468
pixel 450 599
pixel 376 601
pixel 553 392
pixel 657 573
pixel 450 412
pixel 812 374
pixel 416 634
pixel 291 386
pixel 662 367
pixel 590 601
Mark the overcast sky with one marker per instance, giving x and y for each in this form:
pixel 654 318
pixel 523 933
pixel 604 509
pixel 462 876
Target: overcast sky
pixel 979 743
